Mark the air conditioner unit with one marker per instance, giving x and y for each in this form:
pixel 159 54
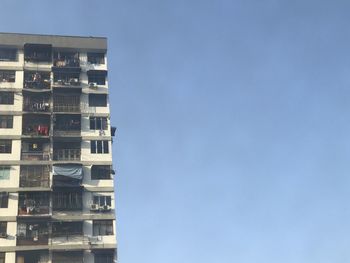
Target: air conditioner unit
pixel 3 235
pixel 105 208
pixel 94 207
pixel 93 85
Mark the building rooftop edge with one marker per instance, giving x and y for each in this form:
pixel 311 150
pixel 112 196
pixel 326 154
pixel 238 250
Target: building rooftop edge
pixel 50 35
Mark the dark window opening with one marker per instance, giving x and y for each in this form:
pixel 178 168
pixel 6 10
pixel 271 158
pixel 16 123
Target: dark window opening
pixel 98 123
pixel 96 58
pixel 3 229
pixel 99 147
pixel 101 172
pixel 104 258
pixel 97 100
pixel 5 146
pixel 8 54
pixel 102 227
pixel 4 199
pixel 97 76
pixel 2 257
pixel 6 121
pixel 7 76
pixel 7 97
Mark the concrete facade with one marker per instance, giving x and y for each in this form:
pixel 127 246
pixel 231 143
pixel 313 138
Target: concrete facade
pixel 57 199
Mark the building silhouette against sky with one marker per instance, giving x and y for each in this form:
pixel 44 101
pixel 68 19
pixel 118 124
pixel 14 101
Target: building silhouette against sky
pixel 56 174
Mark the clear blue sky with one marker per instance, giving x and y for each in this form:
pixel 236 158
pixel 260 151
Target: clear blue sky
pixel 233 124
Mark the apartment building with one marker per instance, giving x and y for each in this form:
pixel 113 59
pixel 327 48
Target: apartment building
pixel 56 173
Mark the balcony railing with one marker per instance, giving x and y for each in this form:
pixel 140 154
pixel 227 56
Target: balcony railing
pixel 67 82
pixel 32 240
pixel 45 84
pixel 33 209
pixel 36 106
pixel 67 154
pixel 36 130
pixel 35 156
pixel 66 107
pixel 41 181
pixel 64 133
pixel 67 63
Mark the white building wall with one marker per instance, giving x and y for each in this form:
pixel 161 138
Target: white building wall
pixel 17 106
pixel 10 257
pixel 13 180
pixel 11 232
pixel 12 208
pixel 17 126
pixel 88 182
pixel 86 154
pixel 15 154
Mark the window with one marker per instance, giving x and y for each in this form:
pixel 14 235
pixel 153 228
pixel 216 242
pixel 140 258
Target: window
pixel 96 58
pixel 97 76
pixel 34 176
pixel 2 257
pixel 102 200
pixel 104 258
pixel 67 201
pixel 6 121
pixel 5 172
pixel 103 227
pixel 7 98
pixel 97 100
pixel 101 172
pixel 7 76
pixel 4 199
pixel 8 54
pixel 98 123
pixel 66 229
pixel 3 229
pixel 99 147
pixel 5 146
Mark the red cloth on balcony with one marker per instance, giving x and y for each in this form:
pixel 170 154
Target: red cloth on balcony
pixel 43 130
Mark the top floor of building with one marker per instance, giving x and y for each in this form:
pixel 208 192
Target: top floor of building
pixel 53 51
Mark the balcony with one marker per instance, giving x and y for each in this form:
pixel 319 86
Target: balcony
pixel 67 175
pixel 34 204
pixel 68 256
pixel 32 257
pixel 34 176
pixel 64 233
pixel 67 125
pixel 37 80
pixel 35 150
pixel 66 154
pixel 37 53
pixel 66 79
pixel 66 103
pixel 66 60
pixel 40 103
pixel 68 200
pixel 36 125
pixel 32 233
